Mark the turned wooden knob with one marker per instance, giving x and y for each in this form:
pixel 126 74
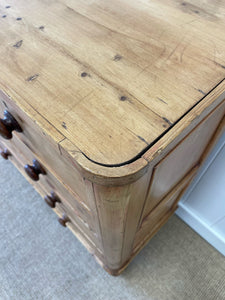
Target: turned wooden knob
pixel 5 153
pixel 52 199
pixel 63 220
pixel 7 125
pixel 34 170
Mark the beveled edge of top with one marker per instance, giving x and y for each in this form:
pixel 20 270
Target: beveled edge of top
pixel 131 172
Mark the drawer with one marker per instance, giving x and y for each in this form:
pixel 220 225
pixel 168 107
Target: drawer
pixel 44 147
pixel 164 209
pixel 79 213
pixel 80 231
pixel 49 182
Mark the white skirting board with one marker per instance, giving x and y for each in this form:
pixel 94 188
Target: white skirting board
pixel 202 206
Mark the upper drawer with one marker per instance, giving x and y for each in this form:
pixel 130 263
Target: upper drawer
pixel 44 148
pixel 48 182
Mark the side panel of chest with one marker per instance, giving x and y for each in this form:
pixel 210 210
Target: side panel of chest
pixel 186 155
pixel 130 215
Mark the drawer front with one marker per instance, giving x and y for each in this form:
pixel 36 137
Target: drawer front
pixel 80 231
pixel 49 181
pixel 77 210
pixel 169 171
pixel 44 148
pixel 152 222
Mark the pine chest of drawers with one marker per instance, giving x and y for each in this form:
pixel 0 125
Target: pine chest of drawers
pixel 108 108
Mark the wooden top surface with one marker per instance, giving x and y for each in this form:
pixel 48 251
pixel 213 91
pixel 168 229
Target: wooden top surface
pixel 110 76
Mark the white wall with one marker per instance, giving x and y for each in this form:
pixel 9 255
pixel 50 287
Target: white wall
pixel 203 205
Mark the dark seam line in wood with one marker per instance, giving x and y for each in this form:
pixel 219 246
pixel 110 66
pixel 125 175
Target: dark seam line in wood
pixel 59 147
pixel 138 136
pixel 139 155
pixel 146 198
pixel 45 119
pixel 144 204
pixel 124 230
pixel 98 219
pixel 64 137
pixel 108 28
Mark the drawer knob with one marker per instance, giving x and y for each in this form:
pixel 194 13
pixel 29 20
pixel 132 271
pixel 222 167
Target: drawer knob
pixel 34 170
pixel 7 125
pixel 63 220
pixel 52 199
pixel 5 153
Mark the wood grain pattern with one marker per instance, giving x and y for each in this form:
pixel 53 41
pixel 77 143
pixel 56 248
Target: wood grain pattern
pixel 84 60
pixel 152 219
pixel 42 146
pixel 119 211
pixel 131 172
pixel 120 102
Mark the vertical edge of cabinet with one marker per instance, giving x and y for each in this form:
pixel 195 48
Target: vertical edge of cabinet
pixel 119 210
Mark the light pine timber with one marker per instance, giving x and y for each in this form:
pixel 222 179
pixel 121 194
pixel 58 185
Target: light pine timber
pixel 163 61
pixel 168 172
pixel 144 205
pixel 168 203
pixel 120 101
pixel 41 145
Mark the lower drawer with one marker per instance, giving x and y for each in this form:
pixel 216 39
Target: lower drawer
pixel 155 219
pixel 79 214
pixel 74 224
